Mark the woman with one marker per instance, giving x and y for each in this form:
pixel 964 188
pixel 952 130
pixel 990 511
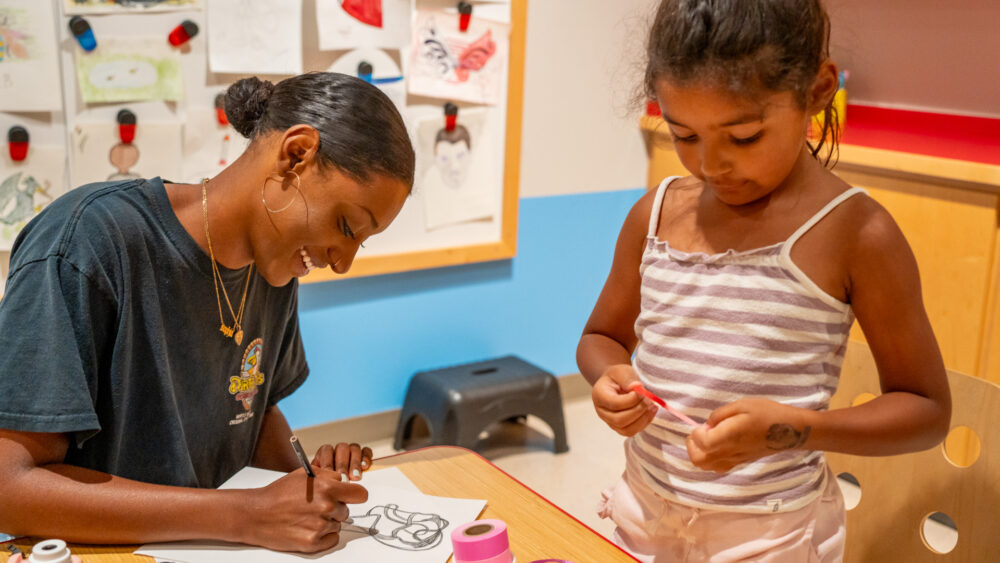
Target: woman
pixel 150 328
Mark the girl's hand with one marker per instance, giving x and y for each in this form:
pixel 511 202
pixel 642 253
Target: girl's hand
pixel 344 458
pixel 626 412
pixel 299 513
pixel 746 430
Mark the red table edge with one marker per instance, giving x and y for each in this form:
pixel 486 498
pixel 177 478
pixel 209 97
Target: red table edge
pixel 515 479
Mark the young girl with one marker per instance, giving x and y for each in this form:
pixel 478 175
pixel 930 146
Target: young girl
pixel 735 289
pixel 150 328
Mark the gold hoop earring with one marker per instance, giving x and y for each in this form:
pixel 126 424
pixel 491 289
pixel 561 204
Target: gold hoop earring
pixel 298 183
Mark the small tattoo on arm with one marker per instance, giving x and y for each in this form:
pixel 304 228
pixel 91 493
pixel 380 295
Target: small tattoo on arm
pixel 786 437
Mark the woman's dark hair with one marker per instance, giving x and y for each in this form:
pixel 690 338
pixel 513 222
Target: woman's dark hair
pixel 744 45
pixel 360 129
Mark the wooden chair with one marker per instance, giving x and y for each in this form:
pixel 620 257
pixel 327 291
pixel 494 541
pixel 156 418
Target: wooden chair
pixel 899 492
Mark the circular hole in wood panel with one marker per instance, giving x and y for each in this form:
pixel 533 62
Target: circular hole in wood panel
pixel 962 446
pixel 850 487
pixel 939 532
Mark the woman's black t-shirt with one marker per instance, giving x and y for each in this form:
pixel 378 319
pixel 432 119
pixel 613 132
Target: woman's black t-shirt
pixel 109 331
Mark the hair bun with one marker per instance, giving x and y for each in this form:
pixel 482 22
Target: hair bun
pixel 246 101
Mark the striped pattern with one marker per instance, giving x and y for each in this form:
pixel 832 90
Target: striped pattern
pixel 716 328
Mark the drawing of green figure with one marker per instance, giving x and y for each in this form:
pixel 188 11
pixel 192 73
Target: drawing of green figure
pixel 17 198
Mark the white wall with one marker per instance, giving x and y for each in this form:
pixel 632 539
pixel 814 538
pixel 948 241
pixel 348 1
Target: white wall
pixel 582 66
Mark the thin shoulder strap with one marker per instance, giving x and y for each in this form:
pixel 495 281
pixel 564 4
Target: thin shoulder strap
pixel 823 213
pixel 654 215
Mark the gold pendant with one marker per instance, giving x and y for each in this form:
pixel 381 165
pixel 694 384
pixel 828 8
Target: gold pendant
pixel 239 337
pixel 226 330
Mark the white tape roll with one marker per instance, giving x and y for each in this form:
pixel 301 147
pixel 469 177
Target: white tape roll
pixel 50 551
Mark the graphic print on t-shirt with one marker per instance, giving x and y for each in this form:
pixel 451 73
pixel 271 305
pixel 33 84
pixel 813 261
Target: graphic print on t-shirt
pixel 244 386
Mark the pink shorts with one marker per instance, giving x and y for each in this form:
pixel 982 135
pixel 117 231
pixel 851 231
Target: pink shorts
pixel 654 529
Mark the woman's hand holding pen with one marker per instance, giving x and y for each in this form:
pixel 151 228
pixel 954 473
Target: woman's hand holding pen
pixel 626 412
pixel 746 430
pixel 299 513
pixel 344 458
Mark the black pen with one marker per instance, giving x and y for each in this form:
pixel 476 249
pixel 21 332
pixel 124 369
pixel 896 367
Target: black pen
pixel 302 456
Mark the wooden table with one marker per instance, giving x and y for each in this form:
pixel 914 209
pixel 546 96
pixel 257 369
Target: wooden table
pixel 536 527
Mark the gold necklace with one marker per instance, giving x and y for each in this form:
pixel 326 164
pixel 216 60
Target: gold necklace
pixel 236 331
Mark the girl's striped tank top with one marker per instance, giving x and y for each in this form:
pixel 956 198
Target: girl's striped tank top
pixel 716 328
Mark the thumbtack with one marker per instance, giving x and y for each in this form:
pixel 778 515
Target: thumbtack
pixel 464 15
pixel 183 33
pixel 220 109
pixel 126 126
pixel 450 116
pixel 80 28
pixel 17 140
pixel 365 71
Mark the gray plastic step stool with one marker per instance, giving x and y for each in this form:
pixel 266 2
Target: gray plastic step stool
pixel 459 402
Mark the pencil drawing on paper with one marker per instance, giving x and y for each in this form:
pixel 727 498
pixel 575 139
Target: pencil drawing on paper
pixel 123 157
pixel 99 6
pixel 22 196
pixel 455 65
pixel 439 53
pixel 404 530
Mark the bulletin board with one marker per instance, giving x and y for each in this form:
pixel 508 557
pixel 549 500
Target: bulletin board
pixel 71 136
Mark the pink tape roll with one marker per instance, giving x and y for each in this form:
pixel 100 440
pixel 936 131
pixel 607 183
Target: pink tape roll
pixel 481 541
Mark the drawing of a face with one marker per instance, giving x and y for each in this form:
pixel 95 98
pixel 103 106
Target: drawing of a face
pixel 123 74
pixel 452 153
pixel 123 157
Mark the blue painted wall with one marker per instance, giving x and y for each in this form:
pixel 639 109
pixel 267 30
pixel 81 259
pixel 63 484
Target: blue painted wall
pixel 365 337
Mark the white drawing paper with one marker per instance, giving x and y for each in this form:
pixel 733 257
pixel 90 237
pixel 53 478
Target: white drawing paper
pixel 451 64
pixel 27 187
pixel 254 477
pixel 209 147
pixel 71 7
pixel 250 36
pixel 98 155
pixel 453 181
pixel 128 69
pixel 385 72
pixel 29 68
pixel 412 527
pixel 345 24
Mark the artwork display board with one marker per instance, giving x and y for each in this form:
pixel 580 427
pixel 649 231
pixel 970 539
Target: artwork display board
pixel 464 203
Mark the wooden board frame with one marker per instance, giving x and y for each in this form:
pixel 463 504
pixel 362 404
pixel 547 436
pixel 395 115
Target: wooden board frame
pixel 506 247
